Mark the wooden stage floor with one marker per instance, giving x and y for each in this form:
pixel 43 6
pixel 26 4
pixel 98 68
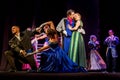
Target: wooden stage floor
pixel 23 75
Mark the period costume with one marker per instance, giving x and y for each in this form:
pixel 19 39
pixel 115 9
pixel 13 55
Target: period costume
pixel 17 43
pixel 111 52
pixel 63 27
pixel 77 52
pixel 55 59
pixel 96 61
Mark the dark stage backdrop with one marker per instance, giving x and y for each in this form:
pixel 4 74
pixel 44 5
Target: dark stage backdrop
pixel 28 13
pixel 109 19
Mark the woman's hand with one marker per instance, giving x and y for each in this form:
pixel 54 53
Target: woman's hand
pixel 70 27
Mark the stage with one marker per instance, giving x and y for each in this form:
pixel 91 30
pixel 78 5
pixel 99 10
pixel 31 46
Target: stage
pixel 23 75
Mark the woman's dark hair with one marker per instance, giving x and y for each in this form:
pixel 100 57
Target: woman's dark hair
pixel 51 33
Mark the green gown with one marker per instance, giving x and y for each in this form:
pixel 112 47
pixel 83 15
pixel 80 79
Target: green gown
pixel 77 51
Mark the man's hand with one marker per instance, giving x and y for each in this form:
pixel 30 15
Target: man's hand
pixel 22 52
pixel 65 33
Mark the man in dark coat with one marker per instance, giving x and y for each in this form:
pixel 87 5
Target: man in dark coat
pixel 20 44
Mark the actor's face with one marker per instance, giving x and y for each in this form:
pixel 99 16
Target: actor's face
pixel 94 39
pixel 110 32
pixel 15 30
pixel 72 15
pixel 77 17
pixel 46 27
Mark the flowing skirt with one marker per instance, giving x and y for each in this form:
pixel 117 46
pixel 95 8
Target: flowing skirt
pixel 56 60
pixel 96 61
pixel 77 52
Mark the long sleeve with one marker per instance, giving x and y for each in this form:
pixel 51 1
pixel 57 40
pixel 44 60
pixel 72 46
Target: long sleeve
pixel 61 25
pixel 14 46
pixel 30 33
pixel 107 41
pixel 93 45
pixel 111 42
pixel 116 40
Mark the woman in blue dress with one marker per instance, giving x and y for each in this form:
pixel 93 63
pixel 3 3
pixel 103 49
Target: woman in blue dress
pixel 54 59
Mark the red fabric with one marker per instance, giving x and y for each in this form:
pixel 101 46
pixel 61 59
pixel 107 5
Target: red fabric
pixel 70 20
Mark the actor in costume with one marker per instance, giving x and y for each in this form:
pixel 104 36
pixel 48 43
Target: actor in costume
pixel 54 58
pixel 77 51
pixel 111 53
pixel 62 27
pixel 96 61
pixel 20 44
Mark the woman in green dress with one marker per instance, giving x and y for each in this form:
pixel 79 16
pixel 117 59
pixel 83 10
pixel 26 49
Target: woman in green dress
pixel 77 50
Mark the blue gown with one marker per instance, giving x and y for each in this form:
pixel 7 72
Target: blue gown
pixel 56 60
